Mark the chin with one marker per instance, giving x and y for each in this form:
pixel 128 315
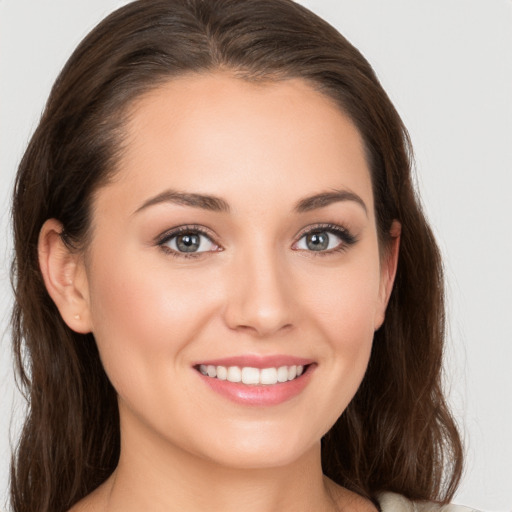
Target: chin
pixel 260 447
pixel 264 458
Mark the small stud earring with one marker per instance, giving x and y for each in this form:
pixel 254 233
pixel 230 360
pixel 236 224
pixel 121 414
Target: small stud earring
pixel 77 317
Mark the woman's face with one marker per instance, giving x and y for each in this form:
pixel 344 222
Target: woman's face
pixel 237 237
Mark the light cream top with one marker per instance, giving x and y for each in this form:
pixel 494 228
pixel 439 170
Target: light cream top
pixel 391 502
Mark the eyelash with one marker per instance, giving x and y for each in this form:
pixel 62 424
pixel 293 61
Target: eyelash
pixel 182 230
pixel 347 239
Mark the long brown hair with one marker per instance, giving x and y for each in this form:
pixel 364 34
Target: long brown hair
pixel 397 433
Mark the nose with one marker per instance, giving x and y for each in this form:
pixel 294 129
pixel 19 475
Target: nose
pixel 260 298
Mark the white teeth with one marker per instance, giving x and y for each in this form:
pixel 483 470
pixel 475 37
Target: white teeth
pixel 222 372
pixel 268 376
pixel 234 374
pixel 252 376
pixel 282 374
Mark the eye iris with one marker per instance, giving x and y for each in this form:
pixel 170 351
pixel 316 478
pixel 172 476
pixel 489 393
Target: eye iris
pixel 317 241
pixel 188 242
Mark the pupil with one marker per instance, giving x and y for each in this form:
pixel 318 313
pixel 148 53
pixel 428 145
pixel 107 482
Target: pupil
pixel 317 241
pixel 187 243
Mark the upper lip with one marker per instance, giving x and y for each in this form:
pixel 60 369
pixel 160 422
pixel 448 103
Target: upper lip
pixel 258 361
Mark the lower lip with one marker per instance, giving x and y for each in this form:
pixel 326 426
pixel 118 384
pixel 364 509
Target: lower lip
pixel 259 395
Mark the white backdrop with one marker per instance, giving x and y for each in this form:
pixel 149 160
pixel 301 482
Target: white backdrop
pixel 447 65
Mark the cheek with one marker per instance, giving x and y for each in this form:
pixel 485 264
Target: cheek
pixel 345 302
pixel 343 310
pixel 143 319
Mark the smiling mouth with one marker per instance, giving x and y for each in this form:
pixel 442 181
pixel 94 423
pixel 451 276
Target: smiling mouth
pixel 253 376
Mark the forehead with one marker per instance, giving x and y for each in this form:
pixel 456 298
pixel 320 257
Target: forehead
pixel 253 142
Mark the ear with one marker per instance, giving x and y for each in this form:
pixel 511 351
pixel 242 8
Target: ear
pixel 388 272
pixel 64 276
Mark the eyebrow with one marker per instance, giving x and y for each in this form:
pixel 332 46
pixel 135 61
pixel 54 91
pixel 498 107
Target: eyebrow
pixel 326 198
pixel 212 203
pixel 217 204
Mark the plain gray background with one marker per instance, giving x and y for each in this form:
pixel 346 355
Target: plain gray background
pixel 447 65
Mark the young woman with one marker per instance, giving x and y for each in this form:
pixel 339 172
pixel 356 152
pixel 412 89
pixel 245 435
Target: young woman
pixel 227 295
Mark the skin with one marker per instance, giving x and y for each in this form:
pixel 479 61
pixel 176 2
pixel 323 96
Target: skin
pixel 256 289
